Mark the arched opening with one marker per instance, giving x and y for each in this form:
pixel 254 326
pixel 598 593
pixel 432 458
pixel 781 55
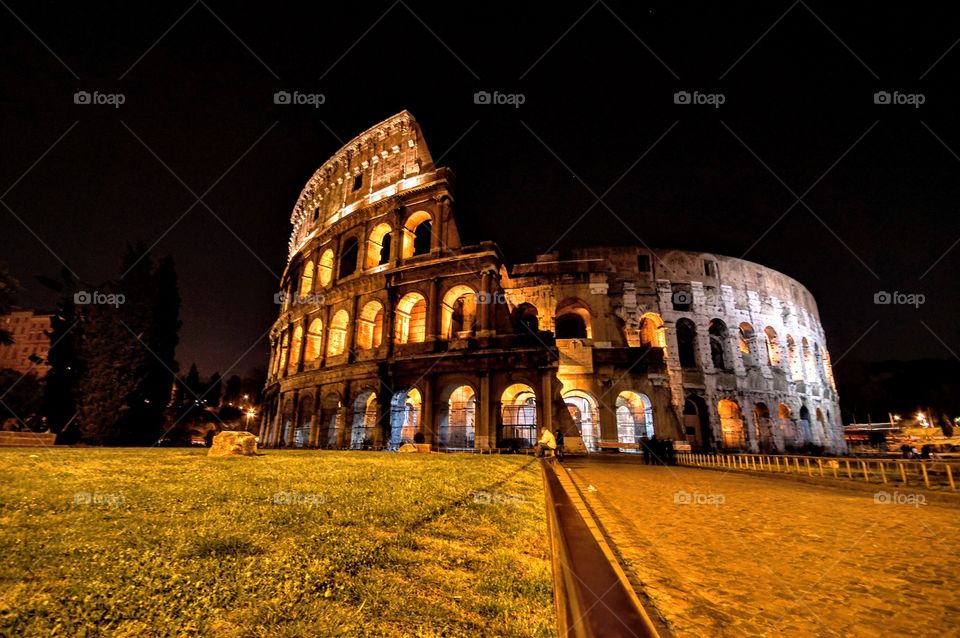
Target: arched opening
pixel 458 317
pixel 763 428
pixel 572 320
pixel 296 345
pixel 378 246
pixel 787 428
pixel 325 267
pixel 314 340
pixel 417 234
pixel 458 419
pixel 687 344
pixel 731 424
pixel 746 342
pixel 286 425
pixel 652 331
pixel 349 252
pixel 370 326
pixel 337 342
pixel 696 423
pixel 818 363
pixel 583 411
pixel 718 345
pixel 793 357
pixel 527 320
pixel 773 346
pixel 364 420
pixel 331 421
pixel 411 319
pixel 306 279
pixel 405 410
pixel 519 414
pixel 301 434
pixel 634 419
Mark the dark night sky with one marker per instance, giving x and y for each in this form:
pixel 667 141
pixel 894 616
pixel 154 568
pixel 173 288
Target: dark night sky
pixel 199 94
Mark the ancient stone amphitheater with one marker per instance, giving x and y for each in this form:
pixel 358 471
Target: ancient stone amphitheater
pixel 392 330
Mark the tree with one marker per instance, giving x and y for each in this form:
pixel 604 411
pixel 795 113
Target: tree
pixel 21 399
pixel 66 368
pixel 214 390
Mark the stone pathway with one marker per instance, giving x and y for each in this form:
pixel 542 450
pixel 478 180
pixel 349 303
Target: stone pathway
pixel 728 554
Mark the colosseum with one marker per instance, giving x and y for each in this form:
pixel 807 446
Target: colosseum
pixel 391 330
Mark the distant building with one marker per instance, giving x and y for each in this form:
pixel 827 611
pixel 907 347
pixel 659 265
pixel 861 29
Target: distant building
pixel 31 345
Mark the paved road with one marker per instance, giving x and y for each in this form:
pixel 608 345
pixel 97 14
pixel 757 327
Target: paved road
pixel 737 555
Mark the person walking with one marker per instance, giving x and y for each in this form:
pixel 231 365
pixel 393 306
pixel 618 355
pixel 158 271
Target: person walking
pixel 559 440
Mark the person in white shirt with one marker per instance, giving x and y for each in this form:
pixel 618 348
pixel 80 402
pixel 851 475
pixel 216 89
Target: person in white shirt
pixel 546 442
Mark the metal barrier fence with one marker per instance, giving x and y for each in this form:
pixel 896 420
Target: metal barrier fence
pixel 882 471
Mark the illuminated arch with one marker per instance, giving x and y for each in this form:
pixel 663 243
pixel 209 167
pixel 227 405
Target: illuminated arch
pixel 793 359
pixel 296 345
pixel 773 346
pixel 634 419
pixel 417 233
pixel 519 414
pixel 364 420
pixel 349 254
pixel 405 413
pixel 314 340
pixel 572 320
pixel 459 311
pixel 731 424
pixel 458 418
pixel 378 246
pixel 411 319
pixel 651 331
pixel 583 410
pixel 370 326
pixel 306 279
pixel 718 345
pixel 337 340
pixel 325 267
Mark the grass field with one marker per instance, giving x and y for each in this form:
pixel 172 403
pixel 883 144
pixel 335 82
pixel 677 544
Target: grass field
pixel 166 542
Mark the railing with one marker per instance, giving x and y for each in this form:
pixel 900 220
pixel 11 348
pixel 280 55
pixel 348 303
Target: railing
pixel 883 471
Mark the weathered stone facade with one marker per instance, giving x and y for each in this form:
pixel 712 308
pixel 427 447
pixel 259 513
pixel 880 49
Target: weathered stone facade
pixel 391 330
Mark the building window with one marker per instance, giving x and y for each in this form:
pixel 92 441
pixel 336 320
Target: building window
pixel 709 268
pixel 358 181
pixel 643 263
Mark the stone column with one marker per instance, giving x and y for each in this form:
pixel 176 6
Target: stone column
pixel 433 309
pixel 484 431
pixel 486 301
pixel 546 385
pixel 428 423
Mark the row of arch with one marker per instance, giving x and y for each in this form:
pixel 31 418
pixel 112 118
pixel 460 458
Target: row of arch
pixel 802 359
pixel 769 433
pixel 417 233
pixel 356 427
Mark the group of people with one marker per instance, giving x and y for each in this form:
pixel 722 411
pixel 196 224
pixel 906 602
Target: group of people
pixel 925 453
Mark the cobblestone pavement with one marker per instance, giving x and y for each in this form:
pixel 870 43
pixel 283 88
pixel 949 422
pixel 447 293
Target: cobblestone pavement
pixel 728 554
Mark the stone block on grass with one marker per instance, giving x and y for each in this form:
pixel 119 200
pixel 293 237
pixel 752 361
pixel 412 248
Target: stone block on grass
pixel 233 444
